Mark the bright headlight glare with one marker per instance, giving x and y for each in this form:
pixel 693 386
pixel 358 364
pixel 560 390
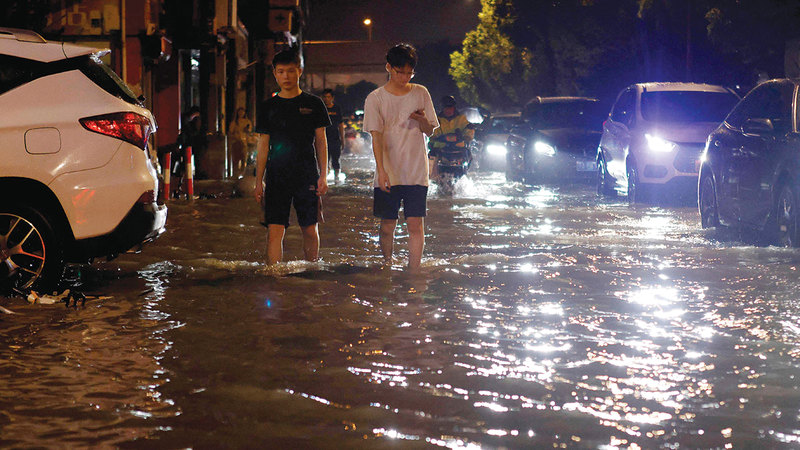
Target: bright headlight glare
pixel 496 149
pixel 545 149
pixel 658 144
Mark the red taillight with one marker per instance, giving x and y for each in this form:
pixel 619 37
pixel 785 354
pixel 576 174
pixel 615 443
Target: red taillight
pixel 128 126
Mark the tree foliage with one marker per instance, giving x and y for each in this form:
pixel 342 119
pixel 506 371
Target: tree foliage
pixel 522 48
pixel 491 70
pixel 754 33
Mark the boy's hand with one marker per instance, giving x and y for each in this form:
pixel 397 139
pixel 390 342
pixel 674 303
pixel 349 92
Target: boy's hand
pixel 383 181
pixel 322 186
pixel 418 115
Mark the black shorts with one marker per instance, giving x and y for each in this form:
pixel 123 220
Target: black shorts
pixel 278 201
pixel 414 199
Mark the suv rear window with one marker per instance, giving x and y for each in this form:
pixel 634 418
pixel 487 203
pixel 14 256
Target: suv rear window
pixel 687 106
pixel 18 71
pixel 103 76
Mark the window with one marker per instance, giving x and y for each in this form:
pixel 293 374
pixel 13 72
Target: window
pixel 623 110
pixel 771 100
pixel 16 72
pixel 687 106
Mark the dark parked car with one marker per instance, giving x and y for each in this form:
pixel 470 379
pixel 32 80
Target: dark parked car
pixel 489 144
pixel 750 172
pixel 557 140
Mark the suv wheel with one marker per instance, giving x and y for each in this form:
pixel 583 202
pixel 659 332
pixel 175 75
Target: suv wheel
pixel 633 184
pixel 786 218
pixel 31 255
pixel 707 203
pixel 605 186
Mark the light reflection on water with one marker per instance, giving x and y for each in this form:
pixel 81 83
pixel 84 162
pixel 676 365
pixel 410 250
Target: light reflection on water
pixel 543 316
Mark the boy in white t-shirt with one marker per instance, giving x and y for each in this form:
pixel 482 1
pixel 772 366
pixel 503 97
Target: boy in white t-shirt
pixel 399 115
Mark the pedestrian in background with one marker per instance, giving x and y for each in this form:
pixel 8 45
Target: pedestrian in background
pixel 293 154
pixel 334 133
pixel 399 115
pixel 239 131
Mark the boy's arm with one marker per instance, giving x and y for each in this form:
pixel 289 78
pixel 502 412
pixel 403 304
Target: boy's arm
pixel 321 145
pixel 341 132
pixel 262 151
pixel 377 150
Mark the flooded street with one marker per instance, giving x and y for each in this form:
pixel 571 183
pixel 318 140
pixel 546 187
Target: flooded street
pixel 543 317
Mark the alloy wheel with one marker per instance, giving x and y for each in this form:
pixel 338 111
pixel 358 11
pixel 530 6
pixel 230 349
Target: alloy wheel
pixel 22 250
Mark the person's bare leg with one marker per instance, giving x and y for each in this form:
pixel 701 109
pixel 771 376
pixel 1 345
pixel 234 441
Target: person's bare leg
pixel 416 242
pixel 311 242
pixel 275 243
pixel 387 239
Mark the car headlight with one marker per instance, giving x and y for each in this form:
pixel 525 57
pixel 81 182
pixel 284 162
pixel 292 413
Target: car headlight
pixel 658 144
pixel 544 148
pixel 496 149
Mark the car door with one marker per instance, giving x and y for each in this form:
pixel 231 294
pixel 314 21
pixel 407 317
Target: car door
pixel 765 130
pixel 616 133
pixel 725 148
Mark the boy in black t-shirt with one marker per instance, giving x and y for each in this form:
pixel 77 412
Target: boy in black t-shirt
pixel 293 152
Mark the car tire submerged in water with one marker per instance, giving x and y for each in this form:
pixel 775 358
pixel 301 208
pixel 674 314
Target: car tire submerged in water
pixel 633 184
pixel 31 254
pixel 604 185
pixel 786 217
pixel 707 203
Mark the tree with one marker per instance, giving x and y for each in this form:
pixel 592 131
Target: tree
pixel 753 34
pixel 524 48
pixel 490 70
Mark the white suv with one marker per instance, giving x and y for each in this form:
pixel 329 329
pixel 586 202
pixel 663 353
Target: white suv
pixel 76 177
pixel 655 134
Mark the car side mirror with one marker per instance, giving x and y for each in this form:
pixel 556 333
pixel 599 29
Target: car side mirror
pixel 757 126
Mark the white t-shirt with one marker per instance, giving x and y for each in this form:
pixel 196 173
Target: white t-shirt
pixel 405 156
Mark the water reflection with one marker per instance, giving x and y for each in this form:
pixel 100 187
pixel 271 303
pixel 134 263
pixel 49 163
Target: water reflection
pixel 542 318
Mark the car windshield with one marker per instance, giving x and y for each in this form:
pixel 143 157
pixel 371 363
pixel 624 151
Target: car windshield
pixel 574 114
pixel 687 106
pixel 504 124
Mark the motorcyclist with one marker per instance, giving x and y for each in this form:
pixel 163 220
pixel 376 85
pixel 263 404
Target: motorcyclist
pixel 450 121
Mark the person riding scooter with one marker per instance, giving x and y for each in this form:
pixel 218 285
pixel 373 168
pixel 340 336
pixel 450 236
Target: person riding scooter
pixel 451 121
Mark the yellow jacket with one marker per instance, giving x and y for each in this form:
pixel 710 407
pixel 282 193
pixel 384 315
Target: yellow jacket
pixel 447 126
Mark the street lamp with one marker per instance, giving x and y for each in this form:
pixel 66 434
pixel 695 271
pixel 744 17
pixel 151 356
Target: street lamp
pixel 368 24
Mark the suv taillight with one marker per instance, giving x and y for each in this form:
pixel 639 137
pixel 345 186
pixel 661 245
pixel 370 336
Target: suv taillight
pixel 128 126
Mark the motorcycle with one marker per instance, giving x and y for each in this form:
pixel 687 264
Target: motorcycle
pixel 452 161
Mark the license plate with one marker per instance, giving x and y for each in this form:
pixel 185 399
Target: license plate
pixel 585 166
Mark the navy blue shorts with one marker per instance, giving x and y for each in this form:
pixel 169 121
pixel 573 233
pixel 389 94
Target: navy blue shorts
pixel 387 204
pixel 278 201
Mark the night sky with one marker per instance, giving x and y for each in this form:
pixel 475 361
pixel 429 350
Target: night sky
pixel 415 21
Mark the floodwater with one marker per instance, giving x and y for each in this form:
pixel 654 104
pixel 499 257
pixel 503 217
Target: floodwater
pixel 543 317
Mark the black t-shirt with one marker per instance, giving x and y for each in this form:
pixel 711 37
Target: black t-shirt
pixel 291 124
pixel 335 115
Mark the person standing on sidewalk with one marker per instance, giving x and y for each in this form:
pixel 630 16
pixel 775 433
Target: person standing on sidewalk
pixel 399 115
pixel 293 154
pixel 335 132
